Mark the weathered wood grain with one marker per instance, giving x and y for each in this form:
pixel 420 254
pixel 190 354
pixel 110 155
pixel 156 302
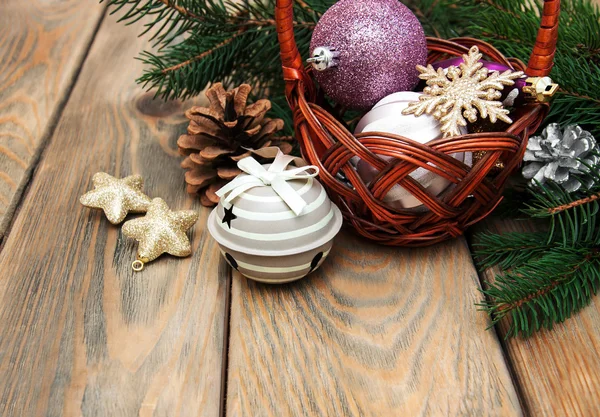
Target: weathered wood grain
pixel 42 46
pixel 558 371
pixel 81 334
pixel 376 331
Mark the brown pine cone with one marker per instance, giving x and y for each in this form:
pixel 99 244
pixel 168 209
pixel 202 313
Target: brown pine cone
pixel 220 135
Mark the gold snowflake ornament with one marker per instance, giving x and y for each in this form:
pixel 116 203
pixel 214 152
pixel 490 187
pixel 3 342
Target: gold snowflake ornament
pixel 462 93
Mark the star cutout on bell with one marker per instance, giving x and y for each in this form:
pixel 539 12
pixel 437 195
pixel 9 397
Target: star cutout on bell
pixel 160 231
pixel 229 216
pixel 116 197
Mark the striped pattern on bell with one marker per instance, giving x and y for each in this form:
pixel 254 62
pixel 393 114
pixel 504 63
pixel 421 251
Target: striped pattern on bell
pixel 275 223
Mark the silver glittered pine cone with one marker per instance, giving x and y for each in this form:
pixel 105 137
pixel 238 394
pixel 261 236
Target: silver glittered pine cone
pixel 557 154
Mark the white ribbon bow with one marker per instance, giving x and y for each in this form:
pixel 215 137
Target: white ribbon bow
pixel 276 176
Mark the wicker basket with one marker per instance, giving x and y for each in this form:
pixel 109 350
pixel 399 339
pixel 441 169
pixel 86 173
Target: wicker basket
pixel 326 142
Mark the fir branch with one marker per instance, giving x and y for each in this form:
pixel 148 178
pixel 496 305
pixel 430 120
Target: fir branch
pixel 181 10
pixel 573 216
pixel 511 25
pixel 545 291
pixel 545 269
pixel 510 249
pixel 504 9
pixel 202 55
pixel 175 73
pixel 581 96
pixel 170 19
pixel 568 110
pixel 573 204
pixel 202 41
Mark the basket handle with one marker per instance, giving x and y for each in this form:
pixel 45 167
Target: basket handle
pixel 542 58
pixel 540 62
pixel 293 66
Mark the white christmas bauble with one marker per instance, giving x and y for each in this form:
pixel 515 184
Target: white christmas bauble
pixel 386 116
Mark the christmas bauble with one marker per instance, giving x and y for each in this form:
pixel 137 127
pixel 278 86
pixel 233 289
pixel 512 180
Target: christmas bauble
pixel 266 241
pixel 364 50
pixel 387 117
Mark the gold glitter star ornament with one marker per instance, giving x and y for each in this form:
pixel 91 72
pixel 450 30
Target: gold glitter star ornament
pixel 117 197
pixel 460 93
pixel 160 231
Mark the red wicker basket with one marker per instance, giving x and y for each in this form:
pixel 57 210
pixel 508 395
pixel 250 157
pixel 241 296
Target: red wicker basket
pixel 326 142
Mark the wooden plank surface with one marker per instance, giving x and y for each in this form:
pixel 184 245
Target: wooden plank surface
pixel 376 331
pixel 42 46
pixel 81 334
pixel 558 371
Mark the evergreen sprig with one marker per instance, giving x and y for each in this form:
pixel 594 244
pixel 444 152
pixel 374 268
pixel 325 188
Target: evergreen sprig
pixel 573 217
pixel 545 290
pixel 511 249
pixel 547 276
pixel 202 41
pixel 198 42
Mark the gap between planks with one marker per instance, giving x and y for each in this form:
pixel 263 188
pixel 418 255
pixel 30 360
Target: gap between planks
pixel 226 337
pixel 21 192
pixel 509 363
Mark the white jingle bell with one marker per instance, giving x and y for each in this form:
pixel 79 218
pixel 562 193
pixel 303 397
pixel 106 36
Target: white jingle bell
pixel 387 117
pixel 275 223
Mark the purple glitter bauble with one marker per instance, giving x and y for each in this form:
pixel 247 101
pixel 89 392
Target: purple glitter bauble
pixel 380 43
